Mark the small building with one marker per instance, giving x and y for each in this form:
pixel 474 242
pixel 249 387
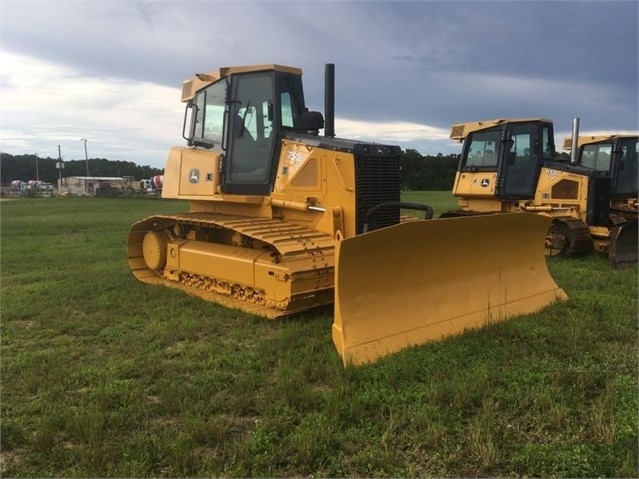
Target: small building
pixel 87 185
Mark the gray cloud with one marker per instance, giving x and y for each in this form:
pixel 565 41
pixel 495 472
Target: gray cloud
pixel 433 63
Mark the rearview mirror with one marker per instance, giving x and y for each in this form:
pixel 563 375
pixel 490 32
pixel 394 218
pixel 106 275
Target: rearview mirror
pixel 188 128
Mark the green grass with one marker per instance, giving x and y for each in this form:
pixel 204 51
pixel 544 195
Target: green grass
pixel 104 376
pixel 440 201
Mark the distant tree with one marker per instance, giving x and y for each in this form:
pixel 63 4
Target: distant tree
pixel 417 172
pixel 23 167
pixel 427 172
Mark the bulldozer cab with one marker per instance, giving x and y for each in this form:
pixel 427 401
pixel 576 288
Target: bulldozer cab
pixel 241 114
pixel 513 149
pixel 618 156
pixel 614 154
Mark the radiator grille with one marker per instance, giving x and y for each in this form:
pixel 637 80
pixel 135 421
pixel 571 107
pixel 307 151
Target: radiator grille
pixel 376 181
pixel 598 201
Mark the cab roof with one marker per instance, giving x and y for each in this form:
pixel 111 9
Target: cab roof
pixel 587 140
pixel 201 80
pixel 459 131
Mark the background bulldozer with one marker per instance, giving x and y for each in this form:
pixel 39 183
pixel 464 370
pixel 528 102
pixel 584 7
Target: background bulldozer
pixel 283 220
pixel 618 156
pixel 509 165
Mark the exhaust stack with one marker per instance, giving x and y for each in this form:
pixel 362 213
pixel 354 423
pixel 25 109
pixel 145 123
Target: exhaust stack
pixel 329 100
pixel 574 147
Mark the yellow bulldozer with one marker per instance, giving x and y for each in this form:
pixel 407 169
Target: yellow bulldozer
pixel 510 165
pixel 282 220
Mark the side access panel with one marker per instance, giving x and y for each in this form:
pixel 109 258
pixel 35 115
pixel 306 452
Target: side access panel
pixel 424 280
pixel 191 174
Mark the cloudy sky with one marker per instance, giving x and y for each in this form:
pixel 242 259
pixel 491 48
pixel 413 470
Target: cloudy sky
pixel 111 71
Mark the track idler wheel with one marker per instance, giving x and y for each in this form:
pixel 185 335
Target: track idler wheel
pixel 557 239
pixel 154 247
pixel 568 237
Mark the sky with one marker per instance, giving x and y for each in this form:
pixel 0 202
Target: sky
pixel 111 71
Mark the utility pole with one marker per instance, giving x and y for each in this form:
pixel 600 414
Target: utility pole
pixel 86 155
pixel 37 173
pixel 60 166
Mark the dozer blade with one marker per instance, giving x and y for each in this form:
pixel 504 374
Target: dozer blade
pixel 421 281
pixel 622 251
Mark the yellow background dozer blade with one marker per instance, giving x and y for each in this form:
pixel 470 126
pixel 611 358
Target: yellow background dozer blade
pixel 622 251
pixel 420 281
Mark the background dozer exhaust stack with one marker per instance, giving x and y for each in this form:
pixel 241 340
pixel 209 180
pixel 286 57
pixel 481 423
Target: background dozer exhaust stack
pixel 283 220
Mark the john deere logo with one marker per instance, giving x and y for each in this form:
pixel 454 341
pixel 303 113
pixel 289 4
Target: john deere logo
pixel 194 175
pixel 485 182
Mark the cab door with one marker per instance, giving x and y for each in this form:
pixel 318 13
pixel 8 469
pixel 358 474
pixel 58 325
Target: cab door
pixel 625 170
pixel 250 149
pixel 523 149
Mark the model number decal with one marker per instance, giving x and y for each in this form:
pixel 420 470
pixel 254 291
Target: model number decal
pixel 551 173
pixel 483 182
pixel 294 156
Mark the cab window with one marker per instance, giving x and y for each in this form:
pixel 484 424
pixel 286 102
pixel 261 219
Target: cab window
pixel 483 149
pixel 209 119
pixel 287 110
pixel 548 144
pixel 627 174
pixel 597 156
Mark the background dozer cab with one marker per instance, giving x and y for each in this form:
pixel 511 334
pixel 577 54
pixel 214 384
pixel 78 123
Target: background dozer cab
pixel 282 220
pixel 617 155
pixel 509 165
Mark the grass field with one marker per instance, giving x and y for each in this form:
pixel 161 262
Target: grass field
pixel 103 376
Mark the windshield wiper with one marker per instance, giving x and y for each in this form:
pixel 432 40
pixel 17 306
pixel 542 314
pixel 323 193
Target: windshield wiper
pixel 242 127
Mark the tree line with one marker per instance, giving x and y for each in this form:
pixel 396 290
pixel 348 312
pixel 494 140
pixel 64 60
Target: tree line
pixel 418 172
pixel 32 167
